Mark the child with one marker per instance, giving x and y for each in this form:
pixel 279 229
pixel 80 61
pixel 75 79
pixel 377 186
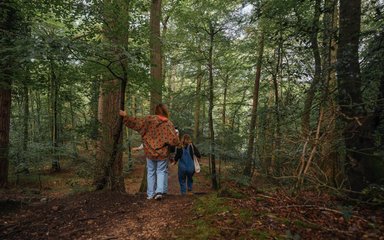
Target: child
pixel 184 156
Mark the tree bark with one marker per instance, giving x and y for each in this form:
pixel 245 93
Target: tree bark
pixel 358 132
pixel 156 56
pixel 255 99
pixel 8 25
pixel 54 119
pixel 196 126
pixel 225 95
pixel 331 163
pixel 210 110
pixel 305 124
pixel 109 162
pixel 276 128
pixel 109 154
pixel 26 112
pixel 5 116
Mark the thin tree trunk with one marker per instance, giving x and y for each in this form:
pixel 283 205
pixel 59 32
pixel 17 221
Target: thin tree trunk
pixel 276 129
pixel 210 112
pixel 164 60
pixel 196 125
pixel 26 113
pixel 305 122
pixel 54 112
pixel 38 116
pixel 251 137
pixel 225 93
pixel 234 115
pixel 73 130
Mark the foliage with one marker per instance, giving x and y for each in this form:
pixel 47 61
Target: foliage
pixel 63 46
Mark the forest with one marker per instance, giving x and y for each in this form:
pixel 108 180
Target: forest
pixel 284 99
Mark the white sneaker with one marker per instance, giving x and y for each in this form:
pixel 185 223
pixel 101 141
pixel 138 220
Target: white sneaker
pixel 150 198
pixel 158 196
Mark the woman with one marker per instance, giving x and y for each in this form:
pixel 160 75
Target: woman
pixel 184 155
pixel 157 133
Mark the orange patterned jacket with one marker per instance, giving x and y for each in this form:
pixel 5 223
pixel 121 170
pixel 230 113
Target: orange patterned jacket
pixel 157 133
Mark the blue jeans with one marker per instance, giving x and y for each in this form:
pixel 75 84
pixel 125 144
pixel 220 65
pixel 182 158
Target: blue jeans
pixel 166 178
pixel 185 180
pixel 156 174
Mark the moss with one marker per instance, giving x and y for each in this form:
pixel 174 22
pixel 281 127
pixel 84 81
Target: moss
pixel 246 215
pixel 207 207
pixel 211 205
pixel 305 225
pixel 230 193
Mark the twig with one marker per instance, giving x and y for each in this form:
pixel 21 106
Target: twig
pixel 264 196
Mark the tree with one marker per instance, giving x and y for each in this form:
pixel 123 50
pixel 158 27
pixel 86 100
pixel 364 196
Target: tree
pixel 156 59
pixel 358 131
pixel 112 99
pixel 251 138
pixel 9 25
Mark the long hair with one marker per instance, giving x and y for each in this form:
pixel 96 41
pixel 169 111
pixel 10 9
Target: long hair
pixel 186 140
pixel 161 109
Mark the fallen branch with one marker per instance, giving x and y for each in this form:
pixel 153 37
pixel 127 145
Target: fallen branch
pixel 321 209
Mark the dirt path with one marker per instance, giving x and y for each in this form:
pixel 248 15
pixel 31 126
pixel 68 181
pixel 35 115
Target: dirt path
pixel 105 215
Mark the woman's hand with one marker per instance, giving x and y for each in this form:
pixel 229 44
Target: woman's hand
pixel 122 113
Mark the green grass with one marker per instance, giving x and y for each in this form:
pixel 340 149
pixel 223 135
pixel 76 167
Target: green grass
pixel 231 193
pixel 208 208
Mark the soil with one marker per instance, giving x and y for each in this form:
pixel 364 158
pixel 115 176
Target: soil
pixel 235 211
pixel 100 215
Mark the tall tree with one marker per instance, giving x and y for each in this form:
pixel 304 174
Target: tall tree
pixel 317 75
pixel 212 31
pixel 358 135
pixel 9 22
pixel 331 163
pixel 54 111
pixel 112 98
pixel 156 57
pixel 255 99
pixel 196 125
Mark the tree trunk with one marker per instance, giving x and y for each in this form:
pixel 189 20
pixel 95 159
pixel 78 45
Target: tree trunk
pixel 276 128
pixel 164 61
pixel 358 132
pixel 109 154
pixel 225 94
pixel 94 108
pixel 251 137
pixel 5 116
pixel 156 59
pixel 109 164
pixel 305 123
pixel 38 117
pixel 196 128
pixel 26 112
pixel 331 164
pixel 210 112
pixel 8 25
pixel 54 112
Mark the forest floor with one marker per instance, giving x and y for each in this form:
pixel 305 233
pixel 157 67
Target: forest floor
pixel 261 211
